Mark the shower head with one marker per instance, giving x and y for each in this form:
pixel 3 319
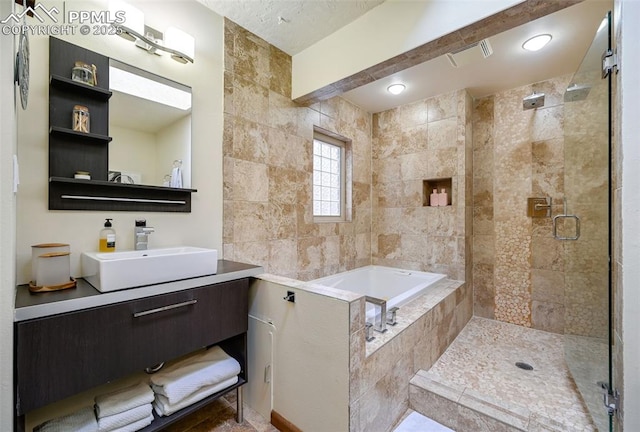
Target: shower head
pixel 536 100
pixel 576 92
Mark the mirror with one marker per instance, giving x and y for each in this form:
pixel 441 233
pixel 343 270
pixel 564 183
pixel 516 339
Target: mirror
pixel 150 123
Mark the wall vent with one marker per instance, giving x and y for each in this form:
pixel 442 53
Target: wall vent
pixel 470 53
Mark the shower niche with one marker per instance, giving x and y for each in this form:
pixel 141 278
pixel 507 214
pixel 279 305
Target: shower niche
pixel 439 185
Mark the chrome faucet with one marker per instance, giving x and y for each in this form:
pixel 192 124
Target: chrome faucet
pixel 142 231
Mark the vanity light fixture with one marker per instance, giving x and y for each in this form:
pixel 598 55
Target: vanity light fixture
pixel 537 42
pixel 178 43
pixel 396 89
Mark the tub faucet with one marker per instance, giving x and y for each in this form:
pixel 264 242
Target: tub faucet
pixel 391 316
pixel 380 321
pixel 142 231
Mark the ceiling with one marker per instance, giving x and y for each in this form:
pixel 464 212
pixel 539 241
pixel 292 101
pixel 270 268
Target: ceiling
pixel 291 25
pixel 509 66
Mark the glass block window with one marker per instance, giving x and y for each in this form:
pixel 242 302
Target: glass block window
pixel 328 177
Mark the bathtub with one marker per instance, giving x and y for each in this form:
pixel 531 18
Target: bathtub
pixel 396 286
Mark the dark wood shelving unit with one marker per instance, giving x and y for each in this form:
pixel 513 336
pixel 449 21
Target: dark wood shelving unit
pixel 71 151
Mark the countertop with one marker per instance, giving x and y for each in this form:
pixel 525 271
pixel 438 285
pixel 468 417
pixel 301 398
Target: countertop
pixel 38 305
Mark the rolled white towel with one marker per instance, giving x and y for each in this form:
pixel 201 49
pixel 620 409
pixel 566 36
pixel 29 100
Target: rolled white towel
pixel 123 399
pixel 83 420
pixel 112 422
pixel 162 406
pixel 203 369
pixel 136 426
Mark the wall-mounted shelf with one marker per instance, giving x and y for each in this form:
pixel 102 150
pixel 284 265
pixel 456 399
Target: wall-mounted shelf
pixel 87 136
pixel 69 85
pixel 438 183
pixel 75 194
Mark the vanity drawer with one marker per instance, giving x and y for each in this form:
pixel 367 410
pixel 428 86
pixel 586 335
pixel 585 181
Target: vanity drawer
pixel 62 355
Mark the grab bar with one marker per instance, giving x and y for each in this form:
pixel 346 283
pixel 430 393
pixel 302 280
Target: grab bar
pixel 565 216
pixel 380 325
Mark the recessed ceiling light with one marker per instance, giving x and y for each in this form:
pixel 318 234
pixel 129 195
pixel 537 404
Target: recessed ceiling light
pixel 536 42
pixel 396 89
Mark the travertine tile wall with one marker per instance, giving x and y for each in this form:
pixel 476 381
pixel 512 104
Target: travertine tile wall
pixel 268 168
pixel 521 274
pixel 428 139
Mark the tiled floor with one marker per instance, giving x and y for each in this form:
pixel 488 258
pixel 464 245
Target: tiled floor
pixel 482 359
pixel 220 416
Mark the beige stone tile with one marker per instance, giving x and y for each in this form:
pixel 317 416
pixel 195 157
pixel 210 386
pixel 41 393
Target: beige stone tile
pixel 483 161
pixel 250 140
pixel 414 114
pixel 483 192
pixel 251 58
pixel 443 162
pixel 547 286
pixel 252 252
pixel 547 254
pixel 289 151
pixel 442 134
pixel 250 181
pixel 284 185
pixel 548 123
pixel 483 290
pixel 281 221
pixel 442 106
pixel 279 71
pixel 483 220
pixel 310 253
pixel 484 249
pixel 283 256
pixel 283 113
pixel 250 222
pixel 250 100
pixel 547 316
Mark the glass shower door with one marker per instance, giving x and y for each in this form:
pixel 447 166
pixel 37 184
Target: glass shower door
pixel 582 223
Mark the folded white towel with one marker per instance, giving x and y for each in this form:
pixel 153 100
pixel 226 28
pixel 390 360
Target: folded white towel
pixel 176 177
pixel 123 399
pixel 136 426
pixel 112 422
pixel 162 406
pixel 83 420
pixel 203 369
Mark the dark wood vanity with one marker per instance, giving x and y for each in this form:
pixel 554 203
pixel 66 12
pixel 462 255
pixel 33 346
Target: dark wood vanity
pixel 70 341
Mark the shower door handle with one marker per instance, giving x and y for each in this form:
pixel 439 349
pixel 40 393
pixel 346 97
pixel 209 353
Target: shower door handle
pixel 555 227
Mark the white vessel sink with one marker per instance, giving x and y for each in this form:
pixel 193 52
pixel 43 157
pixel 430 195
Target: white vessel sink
pixel 111 271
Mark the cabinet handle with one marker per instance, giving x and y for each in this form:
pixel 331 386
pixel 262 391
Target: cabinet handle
pixel 164 308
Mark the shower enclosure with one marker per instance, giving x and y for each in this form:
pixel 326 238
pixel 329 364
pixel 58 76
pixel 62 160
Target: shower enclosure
pixel 582 223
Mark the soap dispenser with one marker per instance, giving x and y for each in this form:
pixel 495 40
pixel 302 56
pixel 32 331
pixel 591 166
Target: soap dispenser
pixel 443 198
pixel 434 199
pixel 107 237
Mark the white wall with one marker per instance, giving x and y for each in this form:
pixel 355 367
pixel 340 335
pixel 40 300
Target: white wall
pixel 390 29
pixel 133 150
pixel 171 142
pixel 7 224
pixel 203 226
pixel 311 355
pixel 630 113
